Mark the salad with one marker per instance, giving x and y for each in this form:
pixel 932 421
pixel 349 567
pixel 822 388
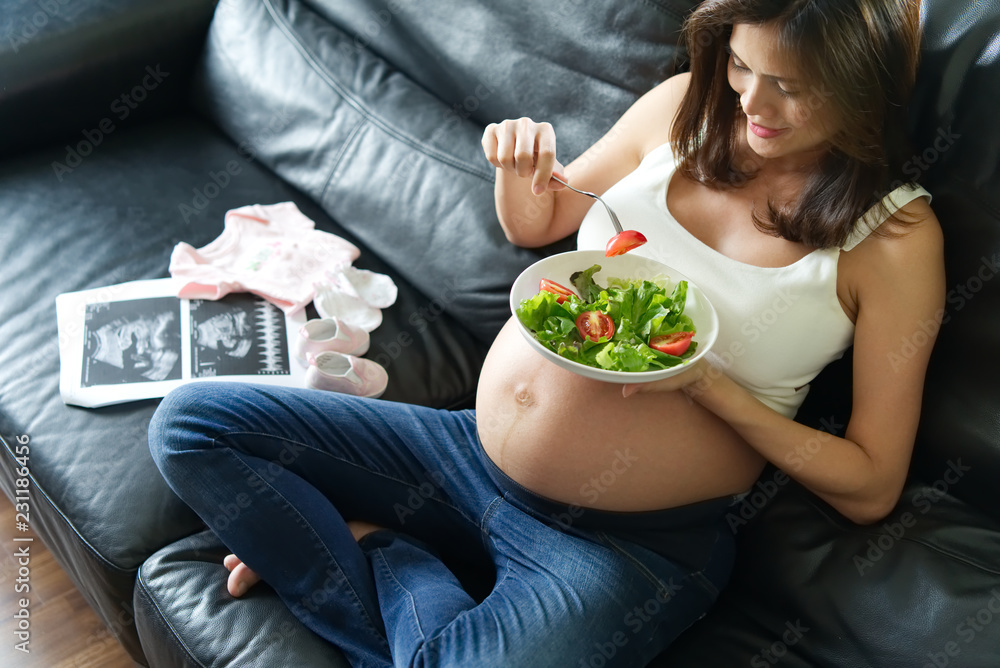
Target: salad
pixel 630 325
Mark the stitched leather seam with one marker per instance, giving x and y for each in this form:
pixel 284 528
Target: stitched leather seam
pixel 174 636
pixel 348 143
pixel 363 109
pixel 944 552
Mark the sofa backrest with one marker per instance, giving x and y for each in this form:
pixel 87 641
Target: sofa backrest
pixel 956 131
pixel 576 64
pixel 376 111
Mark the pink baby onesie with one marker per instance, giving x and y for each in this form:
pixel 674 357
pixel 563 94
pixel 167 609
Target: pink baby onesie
pixel 270 250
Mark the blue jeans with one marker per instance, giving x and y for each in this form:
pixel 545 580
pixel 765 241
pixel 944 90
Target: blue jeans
pixel 277 472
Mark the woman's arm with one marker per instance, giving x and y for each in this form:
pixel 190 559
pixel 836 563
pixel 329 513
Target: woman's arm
pixel 536 211
pixel 899 288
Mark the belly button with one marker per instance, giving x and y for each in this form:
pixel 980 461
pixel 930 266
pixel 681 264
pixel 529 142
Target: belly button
pixel 523 396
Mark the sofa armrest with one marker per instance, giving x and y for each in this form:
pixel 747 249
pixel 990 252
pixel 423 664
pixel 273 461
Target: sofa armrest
pixel 72 67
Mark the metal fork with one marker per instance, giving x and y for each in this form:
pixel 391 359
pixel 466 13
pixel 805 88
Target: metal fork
pixel 614 218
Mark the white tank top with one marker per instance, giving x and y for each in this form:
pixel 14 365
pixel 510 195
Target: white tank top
pixel 778 326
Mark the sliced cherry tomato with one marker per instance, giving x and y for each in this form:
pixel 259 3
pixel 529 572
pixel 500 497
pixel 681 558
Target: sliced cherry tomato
pixel 545 285
pixel 624 242
pixel 672 344
pixel 595 325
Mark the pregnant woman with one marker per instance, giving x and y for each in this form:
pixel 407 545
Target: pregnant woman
pixel 768 175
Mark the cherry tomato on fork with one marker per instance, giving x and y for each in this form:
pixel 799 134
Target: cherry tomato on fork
pixel 623 242
pixel 672 344
pixel 595 325
pixel 561 291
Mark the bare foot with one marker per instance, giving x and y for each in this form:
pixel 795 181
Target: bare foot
pixel 241 578
pixel 361 529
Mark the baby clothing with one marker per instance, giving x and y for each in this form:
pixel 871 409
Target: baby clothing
pixel 778 326
pixel 355 295
pixel 273 251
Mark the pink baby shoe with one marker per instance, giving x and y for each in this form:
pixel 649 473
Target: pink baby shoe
pixel 322 334
pixel 348 374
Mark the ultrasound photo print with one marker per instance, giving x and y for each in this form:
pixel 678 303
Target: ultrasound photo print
pixel 132 341
pixel 240 334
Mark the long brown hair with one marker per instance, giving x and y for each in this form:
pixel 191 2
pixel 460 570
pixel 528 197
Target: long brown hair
pixel 863 56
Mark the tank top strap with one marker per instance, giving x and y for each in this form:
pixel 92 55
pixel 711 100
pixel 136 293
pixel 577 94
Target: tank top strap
pixel 877 215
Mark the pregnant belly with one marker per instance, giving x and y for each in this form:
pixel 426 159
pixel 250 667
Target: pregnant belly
pixel 578 441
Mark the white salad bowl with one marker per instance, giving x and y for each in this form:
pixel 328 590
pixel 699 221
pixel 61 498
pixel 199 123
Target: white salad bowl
pixel 560 267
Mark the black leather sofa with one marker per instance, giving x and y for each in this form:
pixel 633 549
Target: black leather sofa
pixel 131 125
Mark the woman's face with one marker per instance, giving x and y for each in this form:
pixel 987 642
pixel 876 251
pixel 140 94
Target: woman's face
pixel 786 116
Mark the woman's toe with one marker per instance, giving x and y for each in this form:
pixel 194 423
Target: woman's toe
pixel 241 578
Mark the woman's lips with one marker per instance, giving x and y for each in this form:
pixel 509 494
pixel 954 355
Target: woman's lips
pixel 762 132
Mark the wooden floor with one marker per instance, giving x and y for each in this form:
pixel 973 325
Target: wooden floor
pixel 65 632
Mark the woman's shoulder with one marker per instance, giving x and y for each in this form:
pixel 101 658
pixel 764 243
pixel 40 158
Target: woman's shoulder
pixel 911 237
pixel 916 219
pixel 904 265
pixel 648 122
pixel 907 205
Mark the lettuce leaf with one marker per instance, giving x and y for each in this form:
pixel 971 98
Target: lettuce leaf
pixel 641 309
pixel 585 284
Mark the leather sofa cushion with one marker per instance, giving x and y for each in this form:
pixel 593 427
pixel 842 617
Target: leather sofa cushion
pixel 811 589
pixel 399 167
pixel 187 618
